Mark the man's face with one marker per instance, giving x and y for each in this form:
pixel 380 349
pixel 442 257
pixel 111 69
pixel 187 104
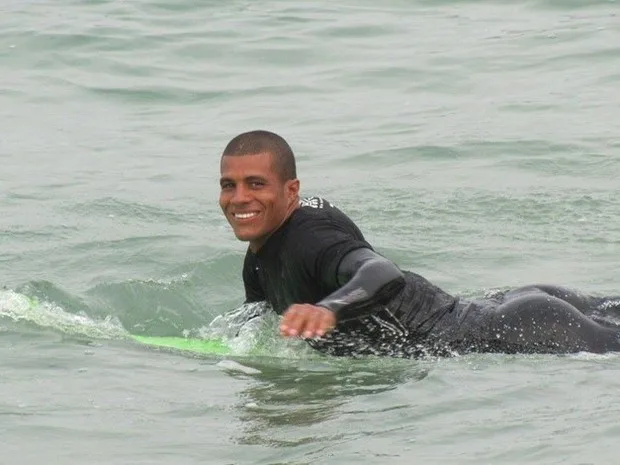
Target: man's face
pixel 255 200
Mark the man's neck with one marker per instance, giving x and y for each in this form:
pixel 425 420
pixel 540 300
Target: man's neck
pixel 255 246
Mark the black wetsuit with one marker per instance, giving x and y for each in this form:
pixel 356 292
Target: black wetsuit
pixel 319 256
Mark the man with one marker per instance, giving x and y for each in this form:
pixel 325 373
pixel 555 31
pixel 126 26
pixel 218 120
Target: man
pixel 311 263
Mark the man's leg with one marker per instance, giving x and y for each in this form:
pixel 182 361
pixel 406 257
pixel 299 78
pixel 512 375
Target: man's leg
pixel 605 310
pixel 584 303
pixel 534 320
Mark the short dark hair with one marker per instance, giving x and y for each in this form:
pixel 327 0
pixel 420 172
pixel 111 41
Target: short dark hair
pixel 259 141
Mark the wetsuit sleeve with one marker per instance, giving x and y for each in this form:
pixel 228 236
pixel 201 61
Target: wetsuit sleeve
pixel 365 279
pixel 253 290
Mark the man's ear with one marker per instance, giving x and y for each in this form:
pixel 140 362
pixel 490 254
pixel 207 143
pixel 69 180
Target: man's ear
pixel 292 189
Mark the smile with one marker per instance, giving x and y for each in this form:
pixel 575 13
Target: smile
pixel 245 216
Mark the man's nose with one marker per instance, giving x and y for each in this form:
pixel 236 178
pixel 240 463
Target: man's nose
pixel 241 195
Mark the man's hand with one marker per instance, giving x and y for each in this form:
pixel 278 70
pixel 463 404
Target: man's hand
pixel 307 321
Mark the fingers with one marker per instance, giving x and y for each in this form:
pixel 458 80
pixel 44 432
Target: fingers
pixel 312 324
pixel 322 320
pixel 307 321
pixel 293 321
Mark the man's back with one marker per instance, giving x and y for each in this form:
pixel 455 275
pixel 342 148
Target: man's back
pixel 299 263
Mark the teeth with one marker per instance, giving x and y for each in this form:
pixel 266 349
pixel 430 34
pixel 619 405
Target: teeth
pixel 244 216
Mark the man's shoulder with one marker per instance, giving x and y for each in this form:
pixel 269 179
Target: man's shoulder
pixel 317 212
pixel 317 209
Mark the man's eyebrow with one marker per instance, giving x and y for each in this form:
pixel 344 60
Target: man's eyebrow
pixel 250 178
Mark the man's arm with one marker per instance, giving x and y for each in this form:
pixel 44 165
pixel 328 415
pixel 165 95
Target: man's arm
pixel 366 279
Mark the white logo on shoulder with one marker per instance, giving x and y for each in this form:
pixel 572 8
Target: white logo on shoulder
pixel 313 202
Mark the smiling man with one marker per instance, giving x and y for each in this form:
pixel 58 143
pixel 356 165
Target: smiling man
pixel 312 264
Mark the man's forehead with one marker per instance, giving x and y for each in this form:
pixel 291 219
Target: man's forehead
pixel 259 161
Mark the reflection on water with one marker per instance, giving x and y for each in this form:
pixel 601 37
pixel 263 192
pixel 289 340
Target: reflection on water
pixel 288 400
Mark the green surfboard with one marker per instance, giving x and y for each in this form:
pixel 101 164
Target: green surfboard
pixel 199 346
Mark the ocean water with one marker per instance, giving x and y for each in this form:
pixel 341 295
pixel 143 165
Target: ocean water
pixel 474 142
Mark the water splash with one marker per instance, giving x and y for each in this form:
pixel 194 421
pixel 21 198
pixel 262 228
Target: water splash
pixel 252 329
pixel 248 330
pixel 21 308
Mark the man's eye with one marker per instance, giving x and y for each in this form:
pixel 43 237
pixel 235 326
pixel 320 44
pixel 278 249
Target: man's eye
pixel 227 185
pixel 257 184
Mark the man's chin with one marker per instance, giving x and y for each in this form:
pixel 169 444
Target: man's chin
pixel 244 236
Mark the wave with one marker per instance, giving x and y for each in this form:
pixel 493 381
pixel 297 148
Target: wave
pixel 250 329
